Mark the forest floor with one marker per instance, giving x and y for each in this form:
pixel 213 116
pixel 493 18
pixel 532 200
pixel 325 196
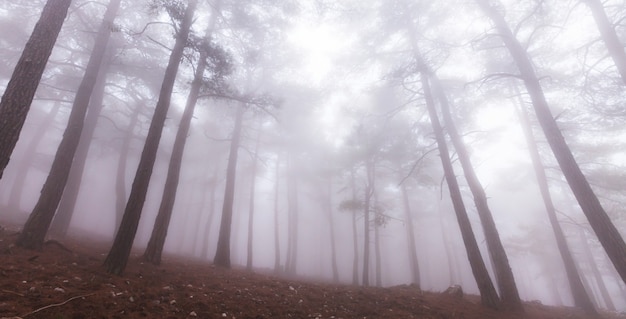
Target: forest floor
pixel 67 281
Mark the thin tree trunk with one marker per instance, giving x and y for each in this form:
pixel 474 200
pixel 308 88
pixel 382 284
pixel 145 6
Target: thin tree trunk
pixel 207 227
pixel 377 224
pixel 20 90
pixel 606 231
pixel 63 217
pixel 117 258
pixel 410 232
pixel 503 273
pixel 581 298
pixel 255 159
pixel 277 268
pixel 488 294
pixel 292 211
pixel 369 191
pixel 154 249
pixel 17 188
pixel 606 296
pixel 609 36
pixel 222 255
pixel 333 244
pixel 38 222
pixel 355 239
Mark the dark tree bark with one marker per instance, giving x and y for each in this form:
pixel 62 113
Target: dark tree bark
pixel 17 188
pixel 504 275
pixel 333 244
pixel 63 217
pixel 222 255
pixel 117 258
pixel 355 239
pixel 154 249
pixel 488 294
pixel 20 90
pixel 581 298
pixel 255 159
pixel 609 36
pixel 277 268
pixel 410 232
pixel 608 235
pixel 38 222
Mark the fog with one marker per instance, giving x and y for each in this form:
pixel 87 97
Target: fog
pixel 334 116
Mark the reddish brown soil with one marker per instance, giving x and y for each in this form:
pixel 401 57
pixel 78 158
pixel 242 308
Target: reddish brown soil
pixel 56 283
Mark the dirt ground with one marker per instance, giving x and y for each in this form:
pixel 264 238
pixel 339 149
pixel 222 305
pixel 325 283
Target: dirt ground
pixel 58 283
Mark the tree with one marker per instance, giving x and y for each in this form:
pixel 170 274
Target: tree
pixel 219 67
pixel 38 222
pixel 609 36
pixel 504 275
pixel 410 231
pixel 489 296
pixel 606 231
pixel 222 255
pixel 18 96
pixel 117 258
pixel 253 173
pixel 581 298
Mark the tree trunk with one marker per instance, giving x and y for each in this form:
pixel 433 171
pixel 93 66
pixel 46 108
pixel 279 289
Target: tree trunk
pixel 355 239
pixel 154 249
pixel 255 159
pixel 63 217
pixel 608 235
pixel 276 224
pixel 606 296
pixel 292 212
pixel 581 298
pixel 222 255
pixel 207 227
pixel 17 188
pixel 504 275
pixel 38 222
pixel 410 233
pixel 333 244
pixel 609 36
pixel 369 191
pixel 20 90
pixel 488 294
pixel 377 253
pixel 117 258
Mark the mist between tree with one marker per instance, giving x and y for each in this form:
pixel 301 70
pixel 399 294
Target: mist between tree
pixel 375 143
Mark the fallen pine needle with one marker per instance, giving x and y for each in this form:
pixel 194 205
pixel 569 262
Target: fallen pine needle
pixel 12 292
pixel 56 304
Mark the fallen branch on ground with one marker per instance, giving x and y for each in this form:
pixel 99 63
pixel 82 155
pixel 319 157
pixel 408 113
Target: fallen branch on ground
pixel 55 305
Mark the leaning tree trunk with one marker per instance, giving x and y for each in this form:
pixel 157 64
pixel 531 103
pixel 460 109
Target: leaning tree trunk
pixel 609 36
pixel 606 296
pixel 38 222
pixel 292 212
pixel 488 294
pixel 410 232
pixel 154 249
pixel 20 90
pixel 504 275
pixel 117 258
pixel 606 231
pixel 209 222
pixel 581 298
pixel 63 217
pixel 222 255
